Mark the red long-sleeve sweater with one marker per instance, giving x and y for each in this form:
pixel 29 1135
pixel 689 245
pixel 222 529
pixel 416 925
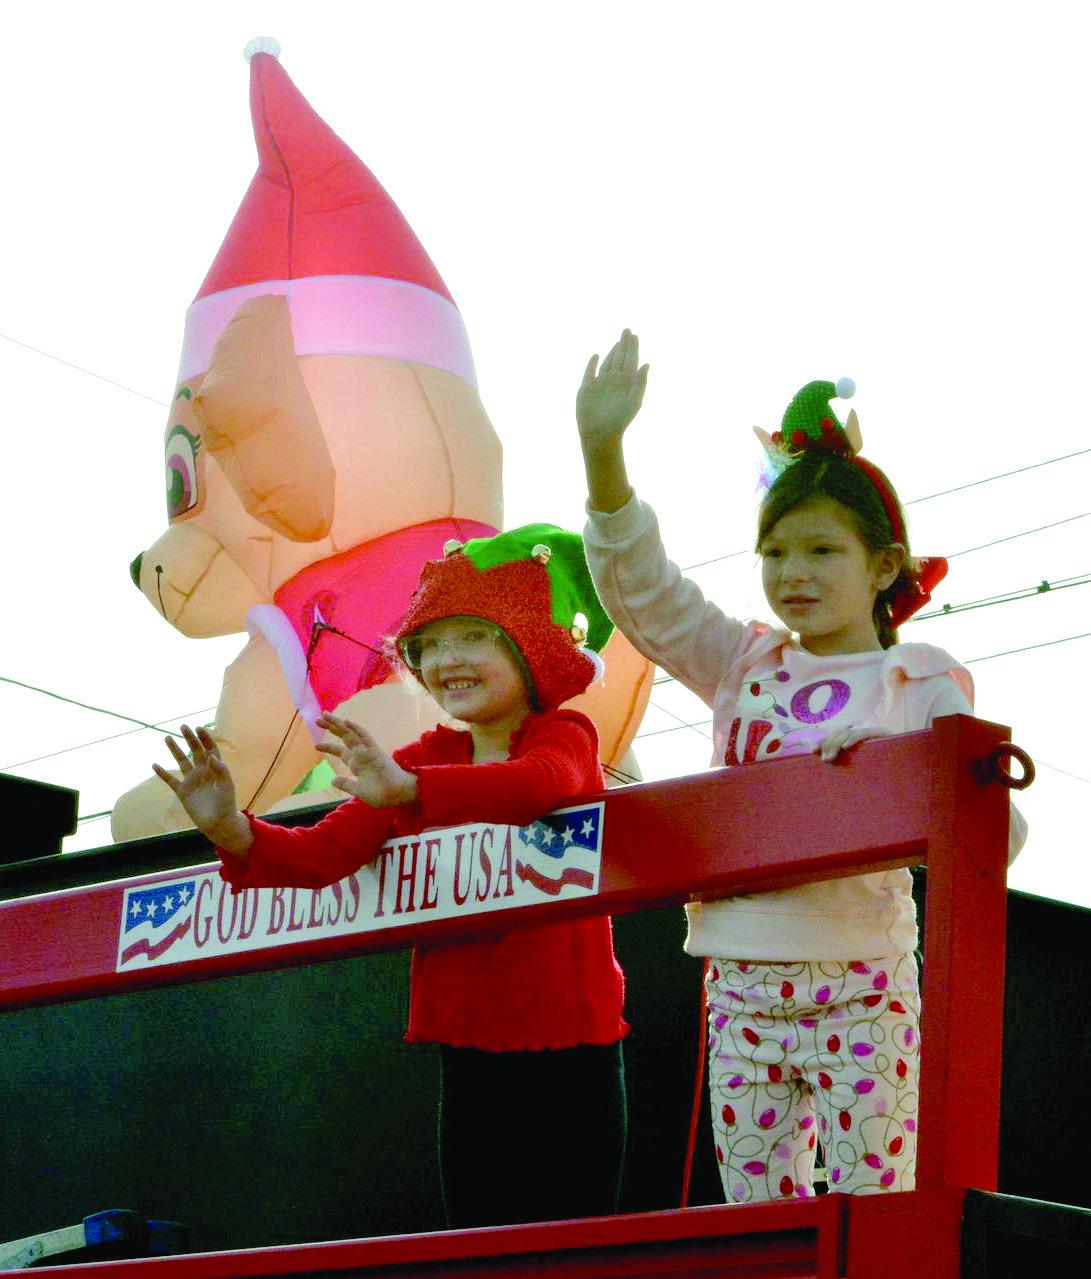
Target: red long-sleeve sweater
pixel 546 986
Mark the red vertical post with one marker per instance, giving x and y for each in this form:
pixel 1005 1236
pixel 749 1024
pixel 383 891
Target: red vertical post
pixel 963 993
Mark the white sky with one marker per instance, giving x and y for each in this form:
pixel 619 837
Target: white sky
pixel 767 194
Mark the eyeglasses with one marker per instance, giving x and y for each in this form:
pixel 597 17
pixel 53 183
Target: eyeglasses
pixel 472 644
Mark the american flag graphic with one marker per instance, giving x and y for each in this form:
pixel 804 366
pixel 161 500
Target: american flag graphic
pixel 563 837
pixel 156 918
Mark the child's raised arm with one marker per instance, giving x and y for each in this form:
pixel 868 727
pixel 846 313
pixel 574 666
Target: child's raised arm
pixel 663 614
pixel 606 403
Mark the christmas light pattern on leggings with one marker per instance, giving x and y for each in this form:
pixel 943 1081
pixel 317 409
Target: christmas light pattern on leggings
pixel 804 1054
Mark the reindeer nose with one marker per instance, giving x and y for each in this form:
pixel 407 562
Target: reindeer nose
pixel 134 569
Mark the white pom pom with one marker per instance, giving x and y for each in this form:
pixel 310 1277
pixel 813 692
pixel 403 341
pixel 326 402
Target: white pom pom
pixel 596 661
pixel 845 388
pixel 262 44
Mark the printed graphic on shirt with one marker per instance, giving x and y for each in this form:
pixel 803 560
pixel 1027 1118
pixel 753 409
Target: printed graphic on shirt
pixel 439 874
pixel 781 716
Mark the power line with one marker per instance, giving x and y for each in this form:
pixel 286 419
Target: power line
pixel 80 369
pixel 1002 476
pixel 988 657
pixel 1028 648
pixel 112 737
pixel 675 728
pixel 1012 537
pixel 682 723
pixel 1023 593
pixel 914 501
pixel 1040 763
pixel 716 559
pixel 72 702
pixel 947 610
pixel 619 774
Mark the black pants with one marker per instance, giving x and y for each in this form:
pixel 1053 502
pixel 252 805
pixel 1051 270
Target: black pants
pixel 531 1136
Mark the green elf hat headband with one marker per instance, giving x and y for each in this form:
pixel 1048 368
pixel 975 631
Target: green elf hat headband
pixel 533 582
pixel 809 424
pixel 809 427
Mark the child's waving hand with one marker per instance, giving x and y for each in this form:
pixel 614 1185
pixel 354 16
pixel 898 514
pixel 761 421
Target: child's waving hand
pixel 608 400
pixel 377 779
pixel 205 790
pixel 606 403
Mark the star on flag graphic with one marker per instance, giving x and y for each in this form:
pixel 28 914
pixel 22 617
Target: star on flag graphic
pixel 574 830
pixel 156 918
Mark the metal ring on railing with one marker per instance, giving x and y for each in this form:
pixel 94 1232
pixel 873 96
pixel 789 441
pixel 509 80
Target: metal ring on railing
pixel 991 769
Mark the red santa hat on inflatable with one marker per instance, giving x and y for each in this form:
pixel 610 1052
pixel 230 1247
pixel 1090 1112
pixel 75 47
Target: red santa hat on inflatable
pixel 316 227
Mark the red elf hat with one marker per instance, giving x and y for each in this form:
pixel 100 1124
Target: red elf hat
pixel 534 583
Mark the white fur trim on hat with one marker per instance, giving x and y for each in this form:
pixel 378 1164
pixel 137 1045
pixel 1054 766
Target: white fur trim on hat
pixel 262 44
pixel 596 661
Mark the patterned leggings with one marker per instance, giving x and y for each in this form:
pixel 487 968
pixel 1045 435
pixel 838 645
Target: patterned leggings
pixel 792 1043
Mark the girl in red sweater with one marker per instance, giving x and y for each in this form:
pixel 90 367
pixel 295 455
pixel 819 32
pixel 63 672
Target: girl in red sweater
pixel 528 1023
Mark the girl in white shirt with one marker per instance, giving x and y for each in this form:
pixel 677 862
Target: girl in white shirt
pixel 812 991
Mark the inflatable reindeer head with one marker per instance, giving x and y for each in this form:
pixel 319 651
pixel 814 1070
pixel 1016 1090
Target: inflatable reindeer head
pixel 326 395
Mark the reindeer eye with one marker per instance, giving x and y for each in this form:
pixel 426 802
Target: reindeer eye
pixel 181 465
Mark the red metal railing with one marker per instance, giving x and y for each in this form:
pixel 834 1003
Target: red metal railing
pixel 925 797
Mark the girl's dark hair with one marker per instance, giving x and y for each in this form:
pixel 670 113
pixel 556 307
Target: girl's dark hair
pixel 839 478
